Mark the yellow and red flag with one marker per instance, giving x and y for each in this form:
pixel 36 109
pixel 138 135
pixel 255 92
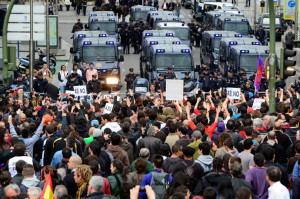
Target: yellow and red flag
pixel 48 189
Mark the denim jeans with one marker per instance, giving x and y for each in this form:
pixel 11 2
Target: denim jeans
pixel 62 89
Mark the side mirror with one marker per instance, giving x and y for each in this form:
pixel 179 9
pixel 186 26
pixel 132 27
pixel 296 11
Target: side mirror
pixel 76 59
pixel 86 26
pixel 197 68
pixel 71 50
pixel 121 59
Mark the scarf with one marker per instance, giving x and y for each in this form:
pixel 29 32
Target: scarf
pixel 81 186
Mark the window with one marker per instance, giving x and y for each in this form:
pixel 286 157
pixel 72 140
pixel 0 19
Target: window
pixel 266 21
pixel 240 27
pixel 179 61
pixel 109 27
pixel 98 53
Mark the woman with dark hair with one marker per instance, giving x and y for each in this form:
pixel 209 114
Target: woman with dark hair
pixel 179 179
pixel 63 78
pixel 139 173
pixel 54 176
pixel 212 178
pixel 3 141
pixel 118 176
pixel 225 189
pixel 5 179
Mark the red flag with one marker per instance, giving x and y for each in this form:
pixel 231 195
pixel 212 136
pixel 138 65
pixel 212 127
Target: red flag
pixel 48 189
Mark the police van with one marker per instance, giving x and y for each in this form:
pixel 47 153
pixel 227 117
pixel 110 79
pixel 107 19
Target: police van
pixel 212 17
pixel 197 7
pixel 228 7
pixel 106 55
pixel 158 12
pixel 108 24
pixel 186 3
pixel 150 41
pixel 78 36
pixel 225 45
pixel 237 24
pixel 246 57
pixel 181 30
pixel 210 45
pixel 137 12
pixel 264 21
pixel 155 19
pixel 101 13
pixel 179 57
pixel 156 33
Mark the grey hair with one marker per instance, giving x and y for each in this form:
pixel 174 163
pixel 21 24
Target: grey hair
pixel 272 120
pixel 258 123
pixel 60 190
pixel 151 130
pixel 13 186
pixel 236 169
pixel 271 135
pixel 96 182
pixel 144 152
pixel 35 191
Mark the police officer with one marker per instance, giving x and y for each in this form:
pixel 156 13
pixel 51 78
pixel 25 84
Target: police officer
pixel 260 35
pixel 160 84
pixel 72 81
pixel 130 77
pixel 131 26
pixel 232 81
pixel 123 24
pixel 192 28
pixel 39 83
pixel 94 85
pixel 214 80
pixel 126 40
pixel 170 74
pixel 146 27
pixel 243 79
pixel 136 40
pixel 252 77
pixel 296 85
pixel 198 34
pixel 187 79
pixel 205 79
pixel 279 83
pixel 221 81
pixel 263 84
pixel 242 71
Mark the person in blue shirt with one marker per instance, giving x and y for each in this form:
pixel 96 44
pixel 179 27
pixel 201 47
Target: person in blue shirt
pixel 157 164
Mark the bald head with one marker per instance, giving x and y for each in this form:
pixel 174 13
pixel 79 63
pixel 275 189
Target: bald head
pixel 271 135
pixel 2 124
pixel 22 117
pixel 186 123
pixel 144 153
pixel 76 160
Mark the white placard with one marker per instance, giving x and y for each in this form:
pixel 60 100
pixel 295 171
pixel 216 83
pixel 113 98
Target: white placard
pixel 80 90
pixel 257 103
pixel 26 9
pixel 21 18
pixel 70 92
pixel 234 93
pixel 14 36
pixel 174 89
pixel 140 89
pixel 108 108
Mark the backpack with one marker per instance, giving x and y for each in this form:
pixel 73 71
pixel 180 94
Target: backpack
pixel 170 165
pixel 190 173
pixel 208 167
pixel 159 184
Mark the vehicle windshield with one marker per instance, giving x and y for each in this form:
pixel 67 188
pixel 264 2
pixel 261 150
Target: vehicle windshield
pixel 266 21
pixel 239 27
pixel 202 1
pixel 249 62
pixel 234 8
pixel 179 61
pixel 98 53
pixel 140 14
pixel 109 27
pixel 182 33
pixel 216 44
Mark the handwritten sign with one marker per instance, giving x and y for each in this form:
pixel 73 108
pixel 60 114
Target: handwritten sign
pixel 80 90
pixel 257 103
pixel 70 92
pixel 108 108
pixel 234 93
pixel 174 89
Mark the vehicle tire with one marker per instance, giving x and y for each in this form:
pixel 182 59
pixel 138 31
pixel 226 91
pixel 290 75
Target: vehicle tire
pixel 52 70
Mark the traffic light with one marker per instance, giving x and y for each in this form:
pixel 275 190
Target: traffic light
pixel 286 65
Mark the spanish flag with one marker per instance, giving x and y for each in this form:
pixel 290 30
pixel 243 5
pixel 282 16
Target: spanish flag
pixel 48 189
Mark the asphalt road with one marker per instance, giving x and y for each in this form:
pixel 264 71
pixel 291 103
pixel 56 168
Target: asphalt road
pixel 67 20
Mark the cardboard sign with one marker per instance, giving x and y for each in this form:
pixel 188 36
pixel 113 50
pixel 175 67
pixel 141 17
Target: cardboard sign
pixel 108 108
pixel 174 89
pixel 70 92
pixel 257 103
pixel 80 90
pixel 234 93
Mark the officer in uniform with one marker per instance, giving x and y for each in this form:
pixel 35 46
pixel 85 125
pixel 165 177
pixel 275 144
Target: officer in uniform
pixel 130 77
pixel 72 81
pixel 192 28
pixel 214 80
pixel 136 40
pixel 279 83
pixel 94 85
pixel 170 74
pixel 187 79
pixel 126 40
pixel 252 77
pixel 198 34
pixel 40 83
pixel 160 84
pixel 243 79
pixel 232 81
pixel 206 80
pixel 131 26
pixel 242 71
pixel 221 81
pixel 123 24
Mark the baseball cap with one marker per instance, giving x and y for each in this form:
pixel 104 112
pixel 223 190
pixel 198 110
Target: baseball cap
pixel 197 134
pixel 95 123
pixel 97 133
pixel 160 74
pixel 250 94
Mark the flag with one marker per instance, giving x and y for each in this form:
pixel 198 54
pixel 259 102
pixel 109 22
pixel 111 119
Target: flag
pixel 48 189
pixel 259 73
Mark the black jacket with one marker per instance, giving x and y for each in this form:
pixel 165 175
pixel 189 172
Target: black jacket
pixel 52 91
pixel 284 176
pixel 94 86
pixel 39 85
pixel 48 149
pixel 96 195
pixel 70 184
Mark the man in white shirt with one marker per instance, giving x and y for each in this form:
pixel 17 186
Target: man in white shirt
pixel 276 189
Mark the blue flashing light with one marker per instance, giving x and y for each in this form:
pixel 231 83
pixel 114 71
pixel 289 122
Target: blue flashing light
pixel 175 19
pixel 238 35
pixel 172 14
pixel 160 50
pixel 80 35
pixel 245 20
pixel 218 35
pixel 154 14
pixel 137 8
pixel 182 24
pixel 152 9
pixel 102 35
pixel 216 15
pixel 110 42
pixel 176 42
pixel 256 43
pixel 170 34
pixel 153 42
pixel 244 51
pixel 232 43
pixel 104 71
pixel 203 33
pixel 149 34
pixel 111 14
pixel 112 19
pixel 226 19
pixel 92 15
pixel 93 19
pixel 185 50
pixel 87 43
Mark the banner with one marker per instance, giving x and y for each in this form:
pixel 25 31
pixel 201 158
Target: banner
pixel 174 89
